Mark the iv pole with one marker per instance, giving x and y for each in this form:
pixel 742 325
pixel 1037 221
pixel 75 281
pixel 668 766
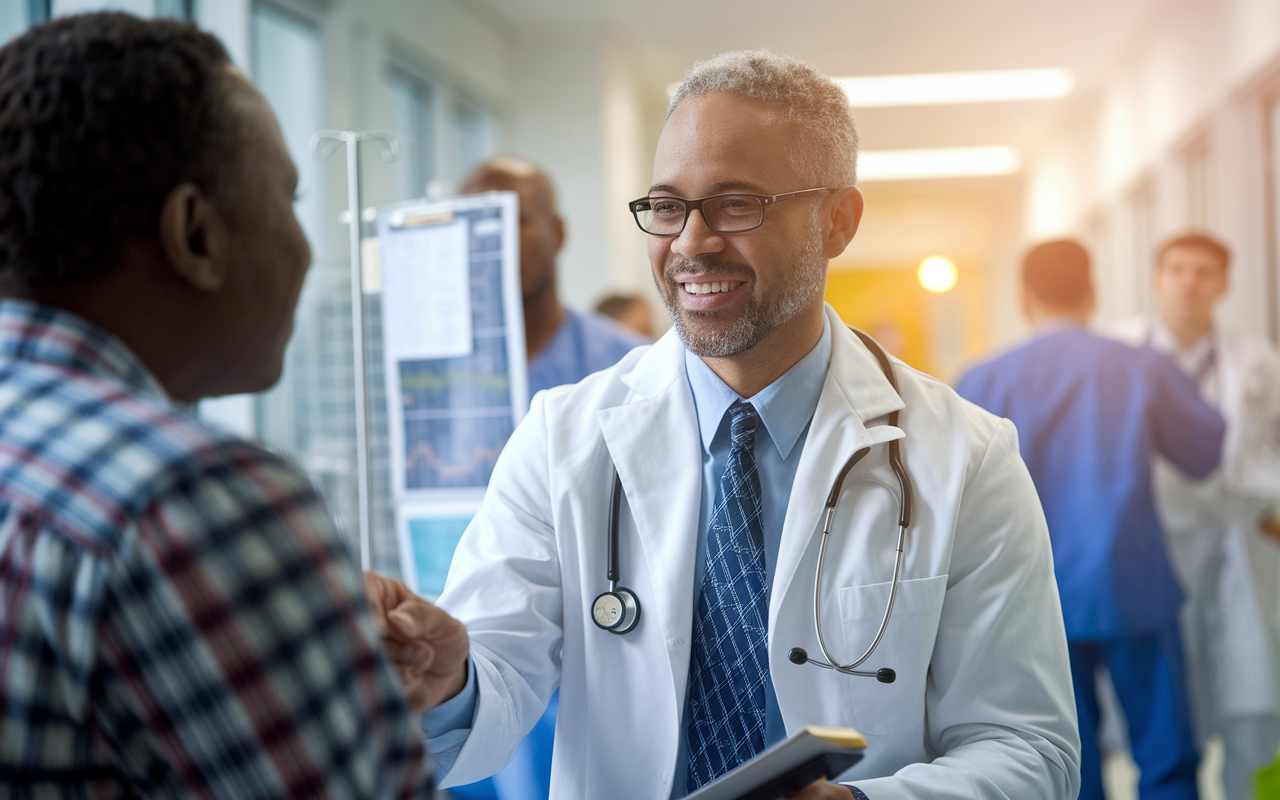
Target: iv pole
pixel 323 144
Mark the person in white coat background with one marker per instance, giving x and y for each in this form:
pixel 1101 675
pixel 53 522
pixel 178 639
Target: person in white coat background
pixel 727 436
pixel 1223 533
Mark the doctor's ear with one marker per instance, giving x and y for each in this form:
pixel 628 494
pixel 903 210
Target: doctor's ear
pixel 841 214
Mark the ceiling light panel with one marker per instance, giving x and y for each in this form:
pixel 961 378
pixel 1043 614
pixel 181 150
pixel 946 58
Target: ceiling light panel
pixel 941 162
pixel 945 88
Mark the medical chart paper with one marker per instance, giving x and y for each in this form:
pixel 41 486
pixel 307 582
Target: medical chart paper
pixel 454 364
pixel 426 292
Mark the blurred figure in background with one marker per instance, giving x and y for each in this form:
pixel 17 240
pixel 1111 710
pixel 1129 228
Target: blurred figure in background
pixel 1224 533
pixel 564 346
pixel 631 311
pixel 1091 413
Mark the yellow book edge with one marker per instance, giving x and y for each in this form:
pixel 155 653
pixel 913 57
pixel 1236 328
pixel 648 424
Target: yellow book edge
pixel 837 737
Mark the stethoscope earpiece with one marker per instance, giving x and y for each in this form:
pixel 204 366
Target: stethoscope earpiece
pixel 798 655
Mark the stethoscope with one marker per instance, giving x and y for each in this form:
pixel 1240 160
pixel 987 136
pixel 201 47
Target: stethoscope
pixel 618 609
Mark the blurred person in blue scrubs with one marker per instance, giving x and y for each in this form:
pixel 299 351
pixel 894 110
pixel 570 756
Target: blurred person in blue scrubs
pixel 1224 532
pixel 1091 414
pixel 563 346
pixel 631 311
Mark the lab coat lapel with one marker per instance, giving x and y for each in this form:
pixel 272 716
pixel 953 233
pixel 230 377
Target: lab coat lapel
pixel 855 392
pixel 653 441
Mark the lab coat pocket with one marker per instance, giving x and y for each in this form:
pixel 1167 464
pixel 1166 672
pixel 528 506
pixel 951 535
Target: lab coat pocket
pixel 887 709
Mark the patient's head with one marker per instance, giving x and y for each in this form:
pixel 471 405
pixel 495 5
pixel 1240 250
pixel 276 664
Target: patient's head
pixel 144 184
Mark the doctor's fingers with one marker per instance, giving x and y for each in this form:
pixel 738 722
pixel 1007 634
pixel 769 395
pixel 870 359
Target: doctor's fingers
pixel 415 632
pixel 400 614
pixel 411 656
pixel 384 595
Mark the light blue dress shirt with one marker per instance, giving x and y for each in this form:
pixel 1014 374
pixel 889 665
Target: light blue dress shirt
pixel 786 408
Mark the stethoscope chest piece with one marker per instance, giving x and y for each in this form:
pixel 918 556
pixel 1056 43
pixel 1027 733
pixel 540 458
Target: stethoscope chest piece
pixel 616 611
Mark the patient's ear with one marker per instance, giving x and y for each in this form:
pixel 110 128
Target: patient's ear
pixel 191 232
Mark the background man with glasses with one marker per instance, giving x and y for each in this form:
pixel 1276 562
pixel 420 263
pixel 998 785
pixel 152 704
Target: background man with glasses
pixel 726 435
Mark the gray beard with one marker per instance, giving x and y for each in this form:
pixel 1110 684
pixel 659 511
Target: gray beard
pixel 761 317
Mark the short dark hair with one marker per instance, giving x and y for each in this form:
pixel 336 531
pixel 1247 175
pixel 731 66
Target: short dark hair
pixel 1197 241
pixel 1057 273
pixel 101 116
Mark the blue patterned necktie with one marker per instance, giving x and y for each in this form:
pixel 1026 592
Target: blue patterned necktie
pixel 729 665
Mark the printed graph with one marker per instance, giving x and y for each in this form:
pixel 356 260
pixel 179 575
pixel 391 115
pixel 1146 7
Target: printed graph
pixel 457 412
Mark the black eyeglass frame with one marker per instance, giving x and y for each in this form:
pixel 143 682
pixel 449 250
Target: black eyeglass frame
pixel 696 205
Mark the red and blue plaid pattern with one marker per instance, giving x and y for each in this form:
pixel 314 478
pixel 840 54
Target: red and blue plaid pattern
pixel 179 616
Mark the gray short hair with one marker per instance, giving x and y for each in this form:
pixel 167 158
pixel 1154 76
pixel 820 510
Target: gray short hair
pixel 825 151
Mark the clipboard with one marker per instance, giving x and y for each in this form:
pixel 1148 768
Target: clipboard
pixel 812 753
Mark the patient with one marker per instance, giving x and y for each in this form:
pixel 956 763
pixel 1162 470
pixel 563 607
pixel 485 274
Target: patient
pixel 180 617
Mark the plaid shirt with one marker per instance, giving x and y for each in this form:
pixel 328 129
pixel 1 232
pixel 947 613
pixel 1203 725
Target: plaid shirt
pixel 180 617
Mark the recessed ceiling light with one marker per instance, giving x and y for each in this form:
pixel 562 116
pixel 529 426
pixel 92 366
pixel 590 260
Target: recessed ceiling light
pixel 956 87
pixel 940 162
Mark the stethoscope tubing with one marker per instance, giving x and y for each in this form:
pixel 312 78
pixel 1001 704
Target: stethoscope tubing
pixel 905 503
pixel 832 663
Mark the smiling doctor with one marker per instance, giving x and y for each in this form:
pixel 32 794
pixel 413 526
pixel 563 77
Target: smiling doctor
pixel 726 438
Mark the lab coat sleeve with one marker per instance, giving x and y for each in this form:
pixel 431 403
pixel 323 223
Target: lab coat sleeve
pixel 504 585
pixel 1251 459
pixel 1000 708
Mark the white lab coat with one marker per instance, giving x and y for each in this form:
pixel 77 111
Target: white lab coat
pixel 976 638
pixel 1230 572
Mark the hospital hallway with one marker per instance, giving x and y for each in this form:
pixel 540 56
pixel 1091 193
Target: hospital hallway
pixel 986 127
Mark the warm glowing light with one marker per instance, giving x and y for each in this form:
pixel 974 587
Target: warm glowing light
pixel 940 162
pixel 957 87
pixel 938 274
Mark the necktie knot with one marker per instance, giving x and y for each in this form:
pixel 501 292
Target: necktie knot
pixel 743 419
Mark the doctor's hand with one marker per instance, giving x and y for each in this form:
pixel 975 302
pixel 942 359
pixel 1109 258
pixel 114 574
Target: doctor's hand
pixel 823 789
pixel 427 646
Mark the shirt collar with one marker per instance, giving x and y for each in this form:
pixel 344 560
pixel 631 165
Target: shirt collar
pixel 44 334
pixel 785 406
pixel 1163 340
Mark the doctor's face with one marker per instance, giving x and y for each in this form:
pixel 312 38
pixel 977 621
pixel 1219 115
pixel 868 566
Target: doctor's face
pixel 1189 283
pixel 726 292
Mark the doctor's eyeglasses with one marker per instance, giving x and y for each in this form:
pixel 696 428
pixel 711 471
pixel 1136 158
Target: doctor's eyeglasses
pixel 723 213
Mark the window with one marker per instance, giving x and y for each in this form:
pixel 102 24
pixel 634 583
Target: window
pixel 180 9
pixel 1199 201
pixel 473 134
pixel 58 8
pixel 1141 205
pixel 310 414
pixel 1271 121
pixel 442 132
pixel 413 120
